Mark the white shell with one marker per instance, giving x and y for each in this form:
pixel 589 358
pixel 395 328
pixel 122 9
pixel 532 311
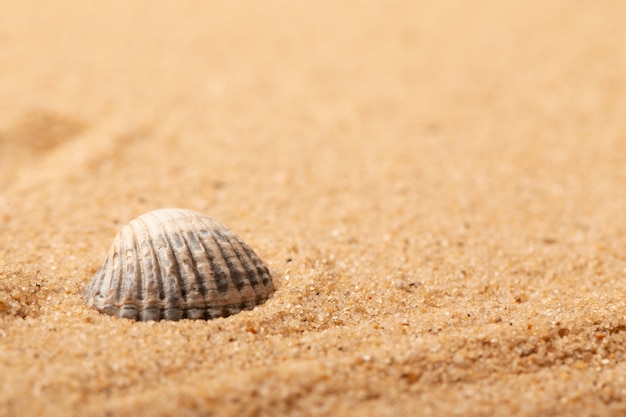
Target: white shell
pixel 172 264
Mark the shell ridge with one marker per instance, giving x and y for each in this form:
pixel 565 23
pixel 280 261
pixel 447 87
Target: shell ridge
pixel 152 284
pixel 172 290
pixel 252 290
pixel 262 270
pixel 111 297
pixel 206 278
pixel 221 276
pixel 137 284
pixel 216 296
pixel 193 302
pixel 153 233
pixel 126 305
pixel 175 243
pixel 246 261
pixel 195 248
pixel 247 294
pixel 235 267
pixel 157 245
pixel 197 289
pixel 108 274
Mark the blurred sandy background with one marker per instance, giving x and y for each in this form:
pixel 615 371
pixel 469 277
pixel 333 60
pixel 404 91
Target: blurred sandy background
pixel 439 189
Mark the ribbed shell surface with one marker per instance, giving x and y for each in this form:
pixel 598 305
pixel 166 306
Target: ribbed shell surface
pixel 171 264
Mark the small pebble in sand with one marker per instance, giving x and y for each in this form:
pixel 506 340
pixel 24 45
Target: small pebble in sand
pixel 172 264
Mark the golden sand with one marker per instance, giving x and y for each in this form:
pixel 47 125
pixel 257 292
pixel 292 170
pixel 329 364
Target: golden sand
pixel 439 190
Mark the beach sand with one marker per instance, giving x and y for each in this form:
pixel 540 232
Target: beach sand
pixel 438 188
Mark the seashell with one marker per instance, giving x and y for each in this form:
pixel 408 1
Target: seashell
pixel 172 264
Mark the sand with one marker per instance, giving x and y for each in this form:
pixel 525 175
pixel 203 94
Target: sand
pixel 439 190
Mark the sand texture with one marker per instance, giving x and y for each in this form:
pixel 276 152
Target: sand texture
pixel 438 188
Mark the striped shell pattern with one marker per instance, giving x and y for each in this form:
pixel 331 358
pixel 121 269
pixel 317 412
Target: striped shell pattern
pixel 171 264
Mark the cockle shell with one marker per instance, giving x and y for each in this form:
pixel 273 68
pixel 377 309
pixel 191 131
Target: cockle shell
pixel 172 264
